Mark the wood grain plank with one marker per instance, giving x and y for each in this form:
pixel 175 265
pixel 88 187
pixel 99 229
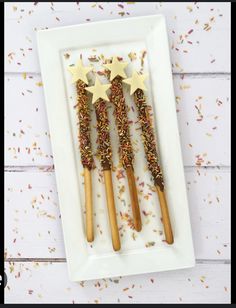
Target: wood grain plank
pixel 32 215
pixel 48 283
pixel 26 127
pixel 209 203
pixel 199 33
pixel 31 203
pixel 203 109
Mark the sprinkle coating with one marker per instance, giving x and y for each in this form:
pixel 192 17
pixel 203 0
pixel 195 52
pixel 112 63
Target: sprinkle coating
pixel 148 138
pixel 104 144
pixel 120 113
pixel 83 114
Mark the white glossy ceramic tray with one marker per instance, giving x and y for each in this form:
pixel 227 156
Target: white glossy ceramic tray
pixel 143 42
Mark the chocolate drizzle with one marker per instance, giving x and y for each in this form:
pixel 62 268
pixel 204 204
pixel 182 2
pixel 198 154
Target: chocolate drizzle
pixel 148 138
pixel 104 145
pixel 83 114
pixel 117 98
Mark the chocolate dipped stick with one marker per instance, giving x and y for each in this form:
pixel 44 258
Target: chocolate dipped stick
pixel 116 75
pixel 137 88
pixel 104 147
pixel 79 76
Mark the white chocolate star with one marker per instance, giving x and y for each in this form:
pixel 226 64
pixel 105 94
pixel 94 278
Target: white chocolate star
pixel 79 72
pixel 136 82
pixel 116 68
pixel 98 91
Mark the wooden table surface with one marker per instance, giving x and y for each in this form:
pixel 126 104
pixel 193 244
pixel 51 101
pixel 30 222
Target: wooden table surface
pixel 199 37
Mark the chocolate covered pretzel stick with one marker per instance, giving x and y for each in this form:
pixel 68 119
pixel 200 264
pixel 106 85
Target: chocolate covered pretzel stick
pixel 99 100
pixel 137 86
pixel 79 73
pixel 125 149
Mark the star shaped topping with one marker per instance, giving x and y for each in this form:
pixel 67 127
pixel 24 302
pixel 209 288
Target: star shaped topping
pixel 99 91
pixel 116 68
pixel 136 82
pixel 79 72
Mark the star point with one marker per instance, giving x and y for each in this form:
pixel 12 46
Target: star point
pixel 79 72
pixel 136 82
pixel 116 68
pixel 98 91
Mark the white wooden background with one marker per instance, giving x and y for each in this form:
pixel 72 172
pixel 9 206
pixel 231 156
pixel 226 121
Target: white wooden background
pixel 199 36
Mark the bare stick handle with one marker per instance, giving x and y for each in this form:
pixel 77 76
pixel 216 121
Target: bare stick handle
pixel 134 199
pixel 165 216
pixel 88 204
pixel 111 210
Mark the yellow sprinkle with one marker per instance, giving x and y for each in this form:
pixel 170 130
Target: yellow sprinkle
pixel 39 84
pixel 24 75
pixel 189 8
pixel 184 87
pixel 11 268
pixel 177 99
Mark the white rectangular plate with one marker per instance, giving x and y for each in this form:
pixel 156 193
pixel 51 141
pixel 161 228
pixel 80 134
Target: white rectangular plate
pixel 141 252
